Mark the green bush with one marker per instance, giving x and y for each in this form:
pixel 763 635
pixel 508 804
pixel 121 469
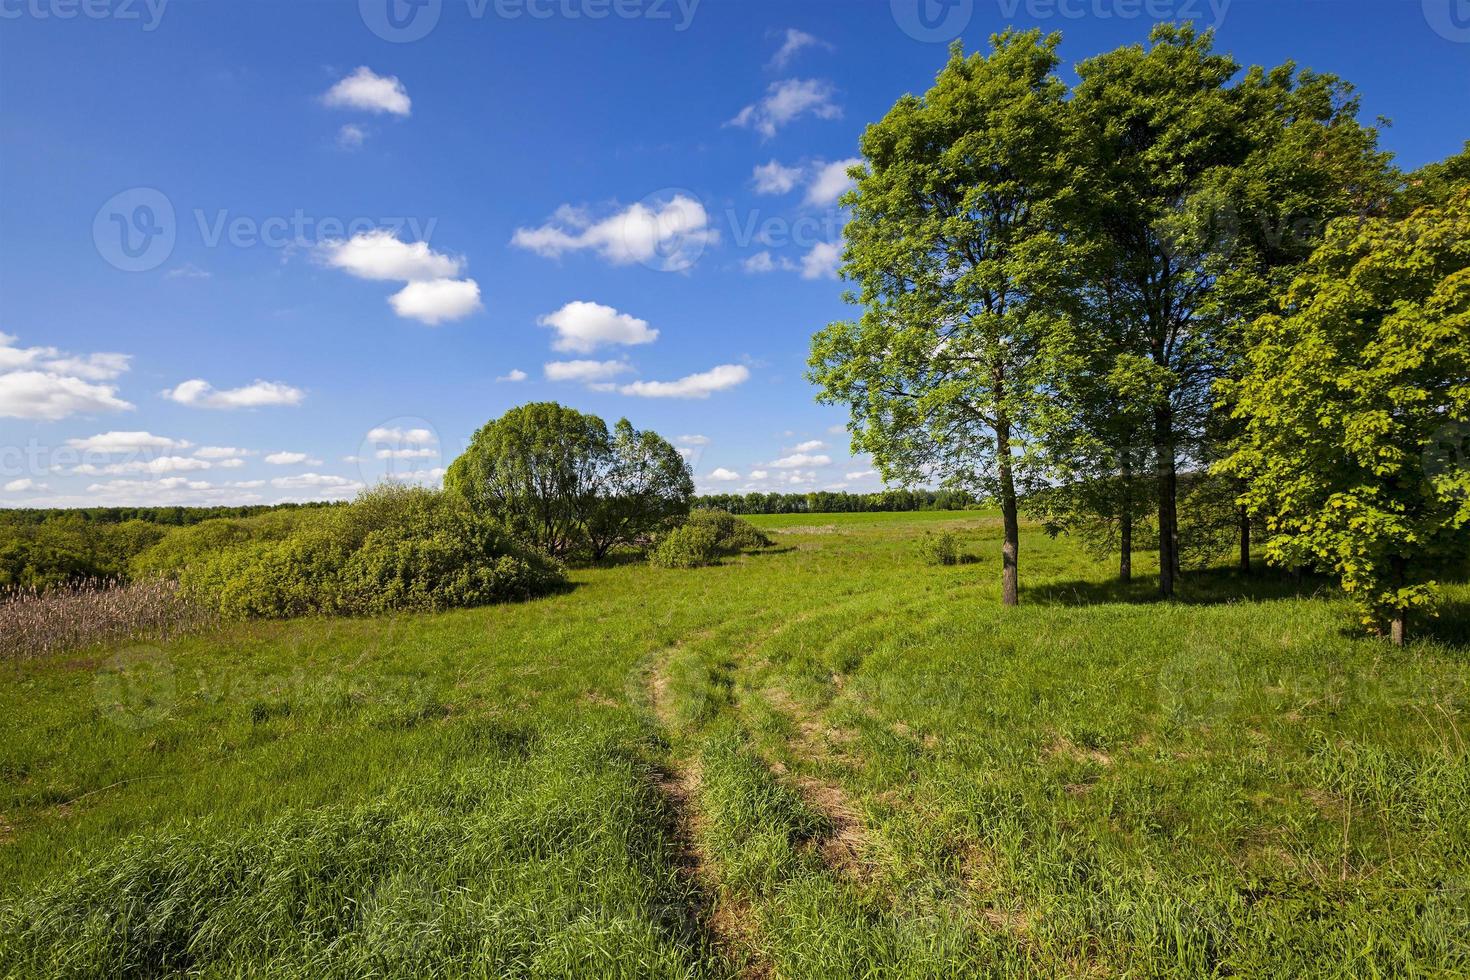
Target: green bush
pixel 393 549
pixel 186 546
pixel 940 549
pixel 688 546
pixel 731 533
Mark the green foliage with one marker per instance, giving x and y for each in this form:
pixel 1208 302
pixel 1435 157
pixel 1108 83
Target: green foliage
pixel 195 543
pixel 68 548
pixel 731 533
pixel 687 546
pixel 838 502
pixel 1356 402
pixel 561 483
pixel 395 548
pixel 939 549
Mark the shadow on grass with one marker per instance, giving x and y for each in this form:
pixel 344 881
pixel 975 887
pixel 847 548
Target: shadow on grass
pixel 1208 587
pixel 1451 627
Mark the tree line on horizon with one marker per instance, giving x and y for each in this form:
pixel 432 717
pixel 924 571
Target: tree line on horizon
pixel 1175 281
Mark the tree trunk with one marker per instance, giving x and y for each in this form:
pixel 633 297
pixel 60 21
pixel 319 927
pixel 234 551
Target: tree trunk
pixel 1168 499
pixel 1010 550
pixel 1398 627
pixel 1245 540
pixel 1125 522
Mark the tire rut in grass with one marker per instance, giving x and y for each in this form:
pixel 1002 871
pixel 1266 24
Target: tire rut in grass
pixel 728 923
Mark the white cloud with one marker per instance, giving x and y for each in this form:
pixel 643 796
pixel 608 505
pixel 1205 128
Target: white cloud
pixel 429 476
pixel 830 182
pixel 723 475
pixel 671 235
pixel 370 92
pixel 37 395
pixel 23 484
pixel 773 178
pixel 760 262
pixel 584 370
pixel 408 437
pixel 406 454
pixel 860 475
pixel 798 460
pixel 379 254
pixel 127 442
pixel 700 385
pixel 49 384
pixel 809 446
pixel 291 459
pixel 786 101
pixel 794 43
pixel 156 466
pixel 436 300
pixel 315 481
pixel 351 137
pixel 758 474
pixel 230 464
pixel 516 375
pixel 201 394
pixel 188 271
pixel 822 261
pixel 582 327
pixel 695 440
pixel 222 452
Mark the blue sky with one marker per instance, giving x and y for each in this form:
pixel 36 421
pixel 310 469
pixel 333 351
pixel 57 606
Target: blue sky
pixel 348 236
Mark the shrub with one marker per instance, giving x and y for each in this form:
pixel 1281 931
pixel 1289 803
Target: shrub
pixel 731 533
pixel 940 549
pixel 196 543
pixel 689 546
pixel 395 548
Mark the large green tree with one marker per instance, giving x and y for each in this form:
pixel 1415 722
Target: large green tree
pixel 952 239
pixel 559 481
pixel 1356 406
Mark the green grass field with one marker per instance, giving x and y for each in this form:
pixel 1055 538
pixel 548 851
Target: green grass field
pixel 825 760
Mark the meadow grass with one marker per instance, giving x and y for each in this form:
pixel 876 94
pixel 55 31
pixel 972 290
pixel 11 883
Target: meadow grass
pixel 881 773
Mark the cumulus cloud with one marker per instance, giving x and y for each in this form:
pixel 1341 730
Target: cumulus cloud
pixel 760 262
pixel 366 90
pixel 380 254
pixel 408 437
pixel 434 301
pixel 861 475
pixel 799 460
pixel 669 235
pixel 316 481
pixel 774 178
pixel 201 394
pixel 810 446
pixel 291 459
pixel 127 442
pixel 695 440
pixel 515 376
pixel 723 475
pixel 582 327
pixel 830 181
pixel 48 384
pixel 700 385
pixel 787 101
pixel 157 466
pixel 222 452
pixel 585 371
pixel 794 43
pixel 407 453
pixel 24 484
pixel 822 261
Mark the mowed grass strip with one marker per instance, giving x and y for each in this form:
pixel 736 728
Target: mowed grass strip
pixel 1093 784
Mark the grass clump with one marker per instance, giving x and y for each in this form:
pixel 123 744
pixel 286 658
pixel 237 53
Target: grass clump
pixel 705 538
pixel 939 549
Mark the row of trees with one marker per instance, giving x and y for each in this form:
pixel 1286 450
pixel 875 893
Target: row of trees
pixel 1081 296
pixel 837 502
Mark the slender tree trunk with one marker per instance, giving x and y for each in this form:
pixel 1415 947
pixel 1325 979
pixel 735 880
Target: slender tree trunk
pixel 1398 628
pixel 1125 521
pixel 1245 540
pixel 1168 489
pixel 1010 586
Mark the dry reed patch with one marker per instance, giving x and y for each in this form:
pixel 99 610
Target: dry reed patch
pixel 35 623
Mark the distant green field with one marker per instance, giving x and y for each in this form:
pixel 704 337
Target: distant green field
pixel 825 760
